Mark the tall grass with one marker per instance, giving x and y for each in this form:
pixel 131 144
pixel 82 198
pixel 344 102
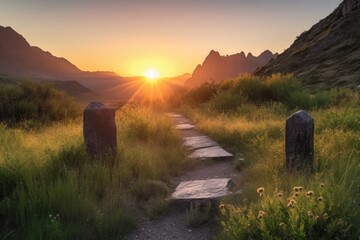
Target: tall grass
pixel 50 189
pixel 256 129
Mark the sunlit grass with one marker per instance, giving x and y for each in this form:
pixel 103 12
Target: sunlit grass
pixel 50 189
pixel 255 132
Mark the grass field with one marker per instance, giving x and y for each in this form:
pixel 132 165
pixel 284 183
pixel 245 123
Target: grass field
pixel 49 189
pixel 272 206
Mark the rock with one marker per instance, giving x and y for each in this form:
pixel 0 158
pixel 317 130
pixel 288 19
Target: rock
pixel 211 152
pixel 299 141
pixel 184 126
pixel 174 115
pixel 349 6
pixel 199 142
pixel 99 129
pixel 202 189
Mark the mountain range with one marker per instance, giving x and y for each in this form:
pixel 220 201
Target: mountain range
pixel 217 68
pixel 21 61
pixel 326 55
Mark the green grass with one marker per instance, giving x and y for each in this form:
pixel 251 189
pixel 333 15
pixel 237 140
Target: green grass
pixel 50 189
pixel 257 129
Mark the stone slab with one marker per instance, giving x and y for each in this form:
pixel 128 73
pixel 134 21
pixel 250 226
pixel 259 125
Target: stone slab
pixel 199 142
pixel 174 115
pixel 210 152
pixel 184 126
pixel 202 189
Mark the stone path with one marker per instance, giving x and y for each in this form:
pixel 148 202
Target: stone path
pixel 201 147
pixel 210 178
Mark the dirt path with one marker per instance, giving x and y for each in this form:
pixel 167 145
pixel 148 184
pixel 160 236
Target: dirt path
pixel 172 225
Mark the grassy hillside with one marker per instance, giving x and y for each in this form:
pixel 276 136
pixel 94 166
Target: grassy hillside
pixel 248 116
pixel 327 55
pixel 49 188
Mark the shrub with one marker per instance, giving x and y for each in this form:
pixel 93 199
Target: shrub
pixel 35 101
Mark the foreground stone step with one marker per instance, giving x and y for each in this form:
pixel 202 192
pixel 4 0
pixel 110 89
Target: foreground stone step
pixel 202 189
pixel 211 152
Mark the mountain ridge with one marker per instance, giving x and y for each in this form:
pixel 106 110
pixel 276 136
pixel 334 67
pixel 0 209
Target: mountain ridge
pixel 217 67
pixel 326 55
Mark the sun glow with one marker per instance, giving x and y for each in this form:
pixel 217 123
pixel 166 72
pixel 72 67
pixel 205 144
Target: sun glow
pixel 151 74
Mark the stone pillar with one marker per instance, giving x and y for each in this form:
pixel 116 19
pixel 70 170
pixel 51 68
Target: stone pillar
pixel 299 141
pixel 99 129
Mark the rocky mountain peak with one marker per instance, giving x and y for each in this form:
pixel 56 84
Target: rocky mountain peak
pixel 349 6
pixel 218 68
pixel 327 55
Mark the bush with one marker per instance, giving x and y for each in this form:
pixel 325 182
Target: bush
pixel 229 96
pixel 39 102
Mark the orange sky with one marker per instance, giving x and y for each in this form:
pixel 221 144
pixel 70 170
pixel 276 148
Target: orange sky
pixel 130 36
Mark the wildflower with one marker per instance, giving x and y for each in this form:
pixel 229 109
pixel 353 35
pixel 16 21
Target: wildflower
pixel 296 194
pixel 320 199
pixel 261 214
pixel 300 188
pixel 282 224
pixel 260 190
pixel 317 218
pixel 260 194
pixel 279 194
pixel 296 189
pixel 310 214
pixel 322 185
pixel 325 216
pixel 50 216
pixel 309 193
pixel 292 201
pixel 221 206
pixel 248 225
pixel 291 205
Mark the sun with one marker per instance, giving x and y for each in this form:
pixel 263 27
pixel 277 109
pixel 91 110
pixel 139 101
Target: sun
pixel 151 74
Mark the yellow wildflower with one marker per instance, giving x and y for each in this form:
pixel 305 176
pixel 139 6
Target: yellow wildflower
pixel 309 193
pixel 260 190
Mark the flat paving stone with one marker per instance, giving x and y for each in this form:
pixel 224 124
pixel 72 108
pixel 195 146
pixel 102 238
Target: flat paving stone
pixel 174 115
pixel 184 126
pixel 210 152
pixel 202 189
pixel 199 142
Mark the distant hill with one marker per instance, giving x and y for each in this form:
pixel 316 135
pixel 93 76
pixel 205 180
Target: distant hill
pixel 217 68
pixel 328 54
pixel 78 91
pixel 139 88
pixel 21 61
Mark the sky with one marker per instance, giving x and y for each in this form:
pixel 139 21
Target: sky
pixel 171 36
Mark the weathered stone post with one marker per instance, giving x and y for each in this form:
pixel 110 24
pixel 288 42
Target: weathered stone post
pixel 299 141
pixel 99 129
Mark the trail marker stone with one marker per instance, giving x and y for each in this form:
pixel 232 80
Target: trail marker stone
pixel 99 129
pixel 299 141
